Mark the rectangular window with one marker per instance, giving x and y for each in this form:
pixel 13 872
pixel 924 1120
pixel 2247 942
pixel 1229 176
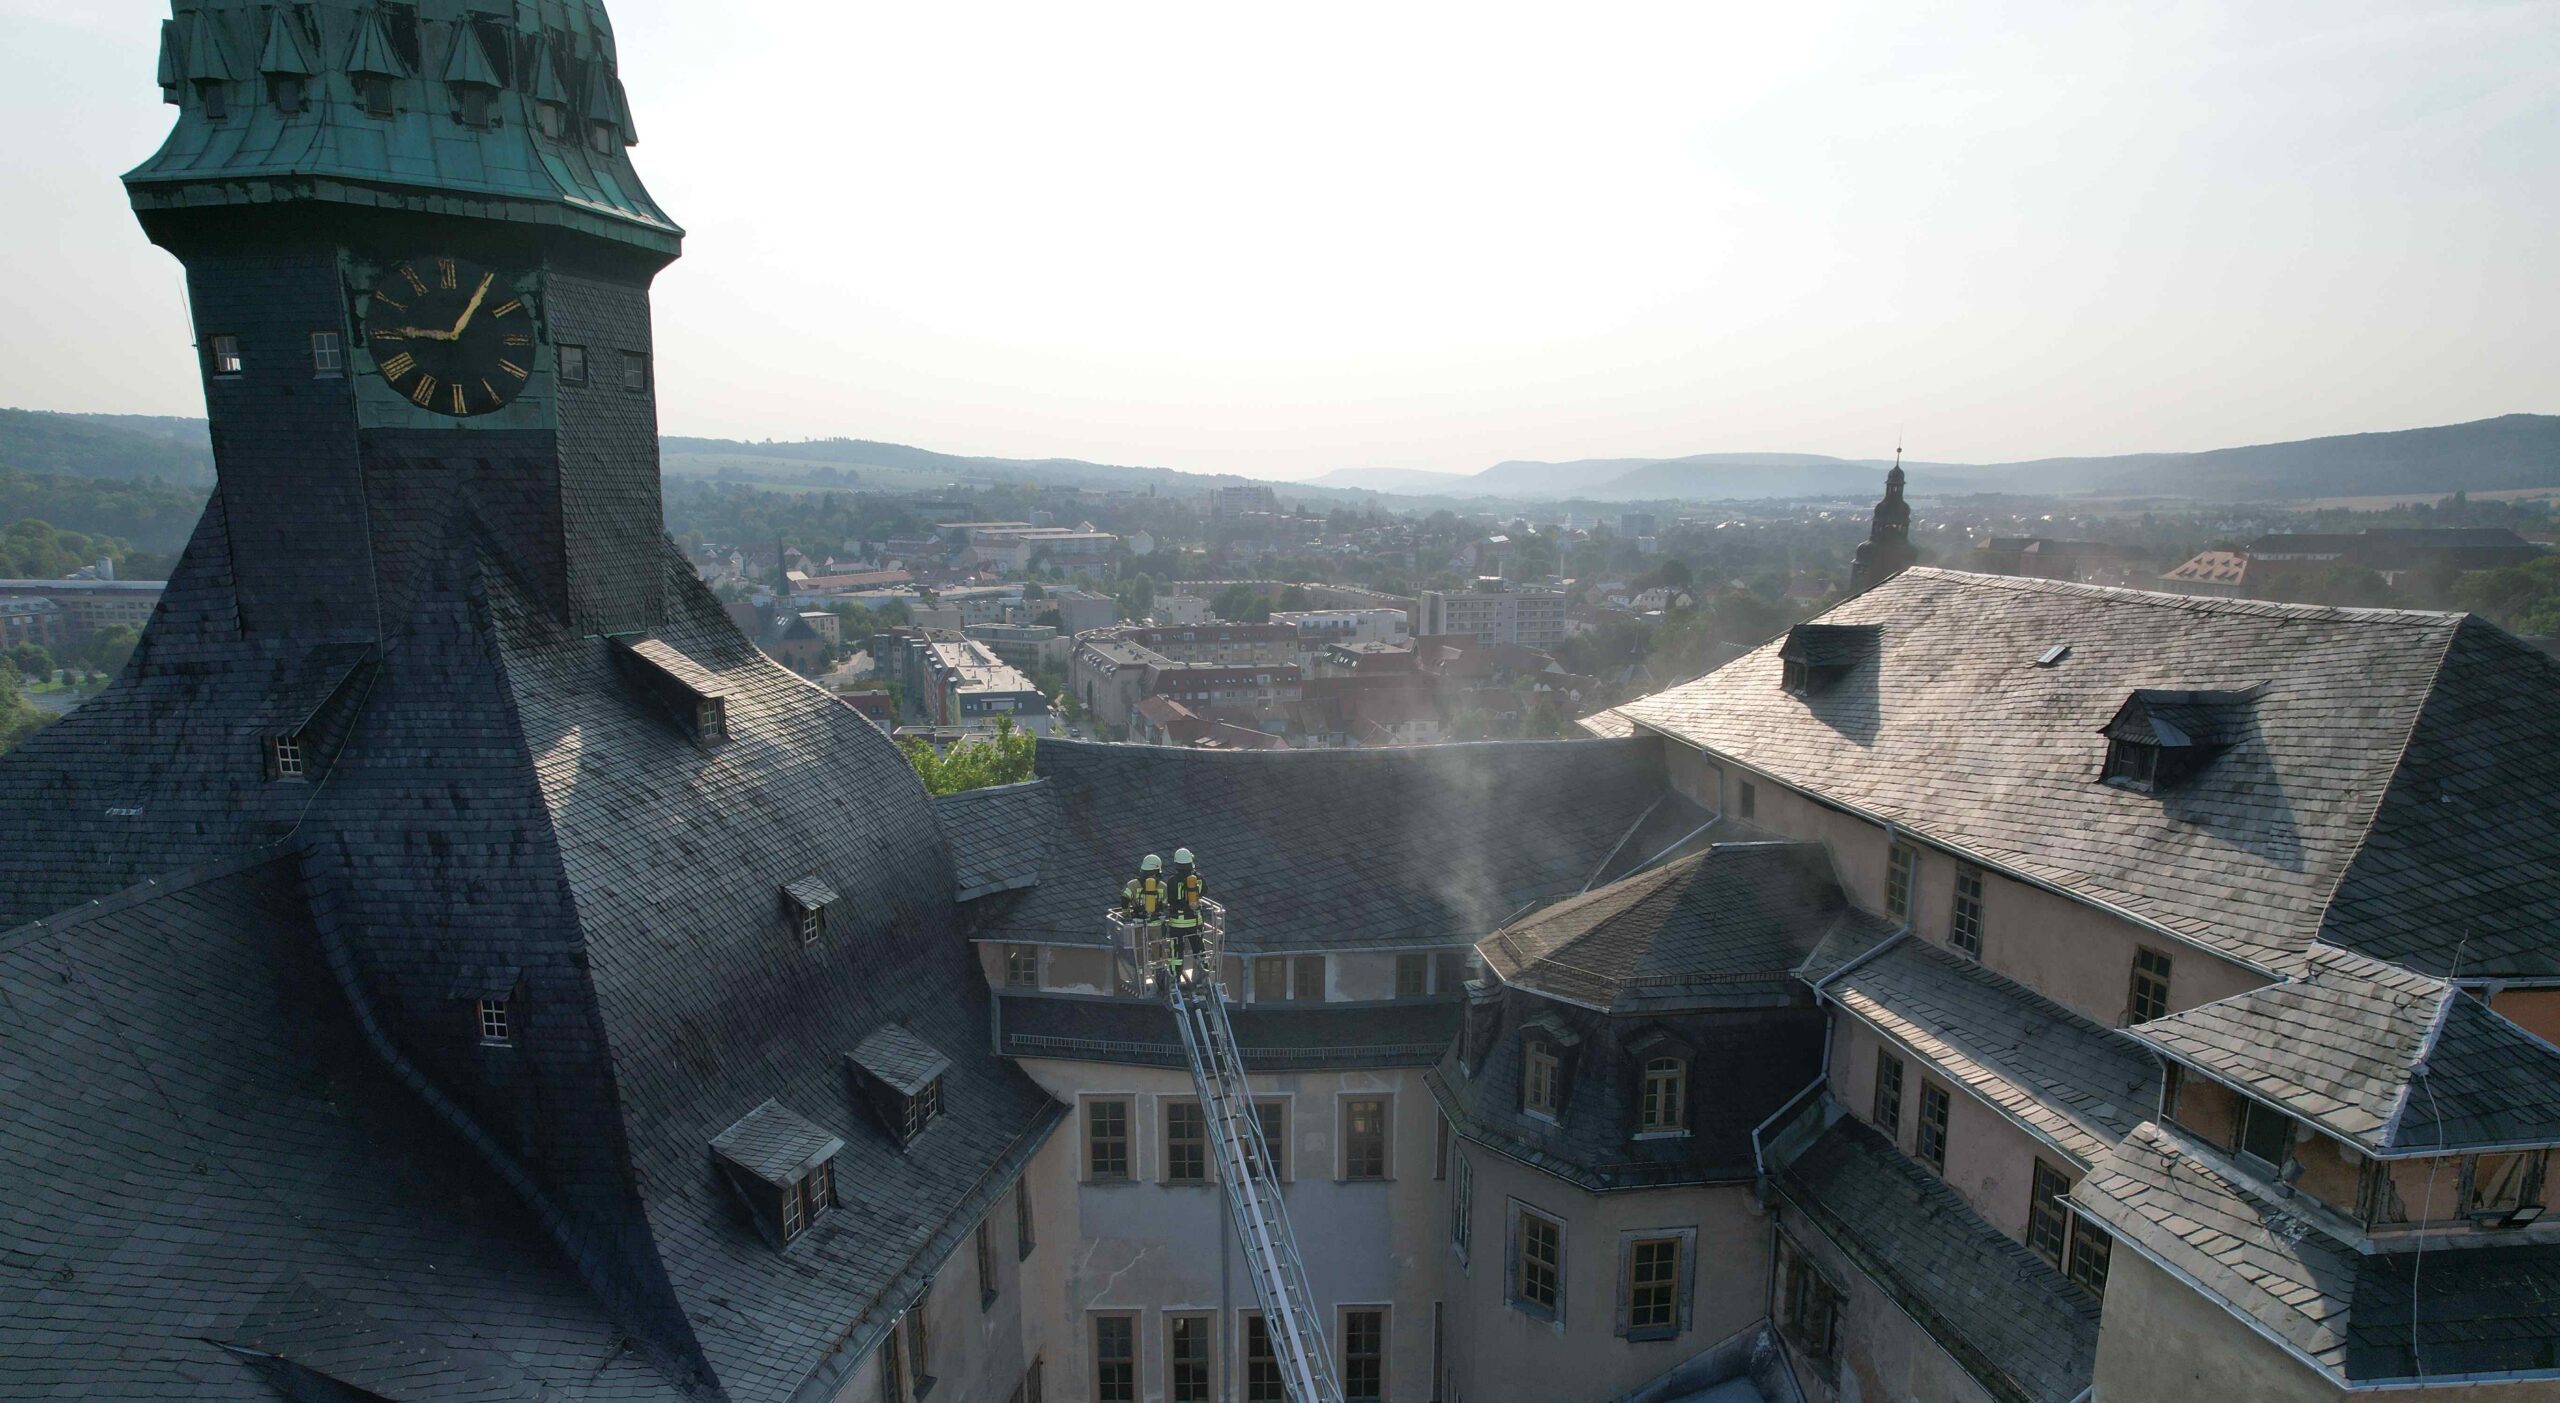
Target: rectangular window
pixel 1270 979
pixel 328 355
pixel 893 1373
pixel 1888 1108
pixel 2132 764
pixel 1664 1104
pixel 1364 1356
pixel 1413 976
pixel 1440 1147
pixel 573 364
pixel 1747 803
pixel 1450 971
pixel 1900 863
pixel 986 1262
pixel 1364 1138
pixel 1653 1287
pixel 813 923
pixel 2496 1184
pixel 919 1360
pixel 1932 1144
pixel 2150 997
pixel 2048 1217
pixel 1106 1140
pixel 494 1029
pixel 1538 1078
pixel 1808 1307
pixel 2090 1249
pixel 1964 923
pixel 1115 1359
pixel 1306 978
pixel 1186 1357
pixel 1186 1143
pixel 2266 1134
pixel 711 719
pixel 635 371
pixel 226 355
pixel 1022 966
pixel 374 91
pixel 284 755
pixel 1462 1206
pixel 807 1197
pixel 1262 1382
pixel 1537 1273
pixel 1022 1236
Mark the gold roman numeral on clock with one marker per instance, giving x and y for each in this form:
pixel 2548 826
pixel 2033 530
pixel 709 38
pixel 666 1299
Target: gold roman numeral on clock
pixel 424 392
pixel 446 274
pixel 460 405
pixel 491 391
pixel 400 365
pixel 387 302
pixel 507 308
pixel 519 340
pixel 512 368
pixel 415 283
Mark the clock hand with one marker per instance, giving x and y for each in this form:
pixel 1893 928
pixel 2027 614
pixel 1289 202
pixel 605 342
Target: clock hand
pixel 468 312
pixel 423 334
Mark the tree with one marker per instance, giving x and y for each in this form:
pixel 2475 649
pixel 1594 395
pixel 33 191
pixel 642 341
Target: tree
pixel 2346 584
pixel 2523 598
pixel 34 661
pixel 1004 759
pixel 1296 597
pixel 107 649
pixel 19 717
pixel 1239 603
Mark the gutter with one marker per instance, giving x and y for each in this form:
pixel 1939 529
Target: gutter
pixel 1759 1161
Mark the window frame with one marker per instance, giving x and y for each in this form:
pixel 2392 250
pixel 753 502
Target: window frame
pixel 1093 1337
pixel 1413 975
pixel 1541 1070
pixel 985 1246
pixel 1347 1170
pixel 1176 1147
pixel 496 1022
pixel 1658 1070
pixel 2253 1113
pixel 1633 1291
pixel 1299 968
pixel 1890 1125
pixel 635 372
pixel 1274 1389
pixel 375 95
pixel 1964 913
pixel 1204 1329
pixel 224 356
pixel 1126 1105
pixel 328 356
pixel 1025 1237
pixel 2131 764
pixel 1462 1206
pixel 1807 1298
pixel 2151 966
pixel 285 758
pixel 1746 800
pixel 1377 1359
pixel 1519 1285
pixel 1270 979
pixel 2092 1252
pixel 1901 879
pixel 1021 966
pixel 1929 1139
pixel 2048 1214
pixel 569 362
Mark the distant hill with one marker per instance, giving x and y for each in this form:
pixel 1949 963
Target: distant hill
pixel 2486 455
pixel 1392 480
pixel 129 446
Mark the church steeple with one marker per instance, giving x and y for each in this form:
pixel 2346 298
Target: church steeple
pixel 1887 551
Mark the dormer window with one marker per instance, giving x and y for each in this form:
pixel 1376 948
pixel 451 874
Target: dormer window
pixel 783 1167
pixel 711 718
pixel 1664 1105
pixel 901 1075
pixel 284 757
pixel 1538 1077
pixel 374 91
pixel 807 901
pixel 287 91
pixel 496 1028
pixel 553 119
pixel 1815 657
pixel 2160 737
pixel 693 696
pixel 2266 1136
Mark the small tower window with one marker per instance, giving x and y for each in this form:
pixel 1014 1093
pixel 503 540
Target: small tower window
pixel 807 901
pixel 553 119
pixel 600 138
pixel 496 1028
pixel 328 355
pixel 635 371
pixel 216 105
pixel 374 91
pixel 288 91
pixel 226 355
pixel 573 364
pixel 284 757
pixel 475 105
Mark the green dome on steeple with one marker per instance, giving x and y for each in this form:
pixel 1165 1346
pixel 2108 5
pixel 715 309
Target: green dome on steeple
pixel 511 110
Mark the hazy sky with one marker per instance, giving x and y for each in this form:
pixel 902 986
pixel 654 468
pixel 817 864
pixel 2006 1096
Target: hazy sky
pixel 1279 239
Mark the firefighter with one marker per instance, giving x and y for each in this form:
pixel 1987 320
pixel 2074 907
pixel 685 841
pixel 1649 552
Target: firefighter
pixel 1144 895
pixel 1184 891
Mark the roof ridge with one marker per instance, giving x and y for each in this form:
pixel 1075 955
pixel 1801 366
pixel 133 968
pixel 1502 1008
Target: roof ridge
pixel 148 889
pixel 2194 603
pixel 2389 1136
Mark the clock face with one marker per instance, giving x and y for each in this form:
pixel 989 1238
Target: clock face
pixel 452 336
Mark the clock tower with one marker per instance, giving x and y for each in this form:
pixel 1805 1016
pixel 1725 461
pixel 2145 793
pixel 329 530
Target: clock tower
pixel 418 260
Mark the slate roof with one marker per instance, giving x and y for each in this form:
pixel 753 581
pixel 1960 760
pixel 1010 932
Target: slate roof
pixel 1273 1037
pixel 2075 1084
pixel 156 1050
pixel 2390 1061
pixel 2016 1324
pixel 998 835
pixel 1722 928
pixel 2396 786
pixel 1611 724
pixel 902 1061
pixel 2482 1309
pixel 1332 849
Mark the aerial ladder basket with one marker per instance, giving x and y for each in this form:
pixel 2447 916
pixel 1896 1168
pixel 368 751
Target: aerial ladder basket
pixel 1159 959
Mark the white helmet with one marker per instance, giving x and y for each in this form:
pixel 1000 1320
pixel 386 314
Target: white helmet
pixel 1151 863
pixel 1182 857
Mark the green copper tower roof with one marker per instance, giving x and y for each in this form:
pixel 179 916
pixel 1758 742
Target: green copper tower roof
pixel 504 109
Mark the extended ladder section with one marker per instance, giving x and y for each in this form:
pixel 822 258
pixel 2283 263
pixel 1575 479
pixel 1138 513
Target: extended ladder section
pixel 1253 1195
pixel 1184 970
